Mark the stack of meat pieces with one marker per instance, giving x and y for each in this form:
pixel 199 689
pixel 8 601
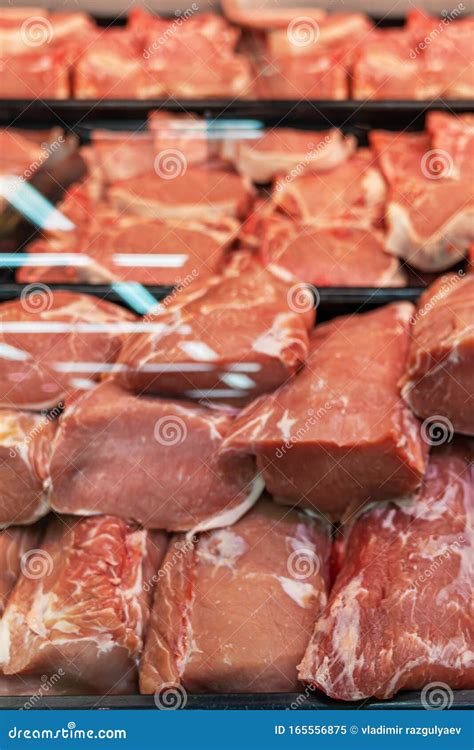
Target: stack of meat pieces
pixel 283 54
pixel 192 56
pixel 151 210
pixel 336 437
pixel 167 206
pixel 429 213
pixel 428 58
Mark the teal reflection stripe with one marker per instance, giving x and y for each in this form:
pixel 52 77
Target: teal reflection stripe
pixel 135 295
pixel 34 206
pixel 236 129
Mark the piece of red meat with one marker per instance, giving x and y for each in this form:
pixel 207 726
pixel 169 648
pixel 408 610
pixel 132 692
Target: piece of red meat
pixel 338 256
pixel 353 193
pixel 430 210
pixel 183 193
pixel 229 337
pixel 257 15
pixel 338 436
pixel 83 614
pixel 233 608
pixel 438 383
pixel 112 446
pixel 381 632
pixel 290 77
pixel 25 441
pixel 454 135
pixel 50 342
pixel 112 67
pixel 282 151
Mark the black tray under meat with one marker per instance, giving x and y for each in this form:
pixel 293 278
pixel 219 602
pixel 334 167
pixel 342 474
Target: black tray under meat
pixel 331 301
pixel 391 114
pixel 463 699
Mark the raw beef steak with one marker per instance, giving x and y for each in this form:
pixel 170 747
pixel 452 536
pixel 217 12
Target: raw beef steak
pixel 233 610
pixel 439 378
pixel 51 341
pixel 281 150
pixel 229 337
pixel 338 435
pixel 353 193
pixel 150 460
pixel 85 616
pixel 193 193
pixel 338 256
pixel 25 441
pixel 430 209
pixel 381 632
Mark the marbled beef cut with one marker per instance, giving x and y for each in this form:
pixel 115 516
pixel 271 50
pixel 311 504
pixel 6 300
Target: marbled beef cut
pixel 50 341
pixel 438 383
pixel 82 614
pixel 400 614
